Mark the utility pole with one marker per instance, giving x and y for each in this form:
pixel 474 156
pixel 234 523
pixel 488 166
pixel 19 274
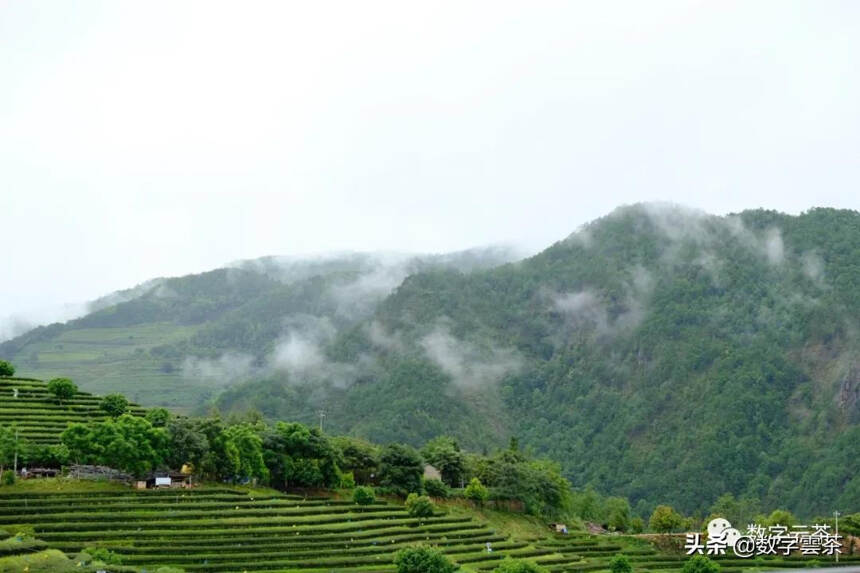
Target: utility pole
pixel 321 414
pixel 836 515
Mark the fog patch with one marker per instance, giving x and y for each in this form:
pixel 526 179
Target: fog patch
pixel 228 368
pixel 20 322
pixel 813 267
pixel 361 296
pixel 586 308
pixel 769 244
pixel 381 338
pixel 300 353
pixel 470 366
pixel 678 222
pixel 773 246
pixel 581 308
pixel 581 237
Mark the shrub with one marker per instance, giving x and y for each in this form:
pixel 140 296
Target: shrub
pixel 620 564
pixel 419 505
pixel 347 480
pixel 363 495
pixel 477 492
pixel 436 488
pixel 637 525
pixel 422 560
pixel 8 477
pixel 115 405
pixel 158 417
pixel 6 368
pixel 700 564
pixel 106 556
pixel 510 565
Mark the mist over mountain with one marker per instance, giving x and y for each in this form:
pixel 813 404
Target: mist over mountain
pixel 659 352
pixel 178 341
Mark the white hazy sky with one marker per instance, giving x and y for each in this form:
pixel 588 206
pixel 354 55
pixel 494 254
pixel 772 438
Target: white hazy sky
pixel 142 139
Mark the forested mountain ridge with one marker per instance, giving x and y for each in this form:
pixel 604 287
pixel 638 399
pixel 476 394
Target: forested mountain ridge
pixel 178 341
pixel 658 353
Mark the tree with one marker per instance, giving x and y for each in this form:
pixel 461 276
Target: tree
pixel 401 468
pixel 187 443
pixel 8 447
pixel 6 369
pixel 618 512
pixel 700 564
pixel 158 417
pixel 620 564
pixel 239 449
pixel 359 456
pixel 297 455
pixel 62 389
pixel 114 405
pixel 665 519
pixel 363 495
pixel 477 492
pixel 419 505
pixel 778 517
pixel 128 443
pixel 509 565
pixel 637 525
pixel 444 454
pixel 422 560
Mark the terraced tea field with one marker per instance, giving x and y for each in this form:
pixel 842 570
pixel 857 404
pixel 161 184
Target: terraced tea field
pixel 215 529
pixel 225 529
pixel 38 416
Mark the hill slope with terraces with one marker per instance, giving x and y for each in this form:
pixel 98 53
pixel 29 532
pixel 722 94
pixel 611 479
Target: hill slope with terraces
pixel 220 529
pixel 27 406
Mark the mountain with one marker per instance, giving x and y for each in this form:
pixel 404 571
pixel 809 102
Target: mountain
pixel 658 353
pixel 178 341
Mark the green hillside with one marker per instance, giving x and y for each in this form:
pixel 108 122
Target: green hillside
pixel 177 342
pixel 658 353
pixel 38 416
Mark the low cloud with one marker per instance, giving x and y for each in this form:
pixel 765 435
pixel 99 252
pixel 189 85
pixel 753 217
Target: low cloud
pixel 813 268
pixel 301 354
pixel 469 365
pixel 228 368
pixel 585 308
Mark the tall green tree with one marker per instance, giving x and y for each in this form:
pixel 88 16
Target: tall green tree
pixel 128 443
pixel 444 454
pixel 401 468
pixel 62 389
pixel 239 450
pixel 8 447
pixel 665 519
pixel 297 455
pixel 6 369
pixel 114 405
